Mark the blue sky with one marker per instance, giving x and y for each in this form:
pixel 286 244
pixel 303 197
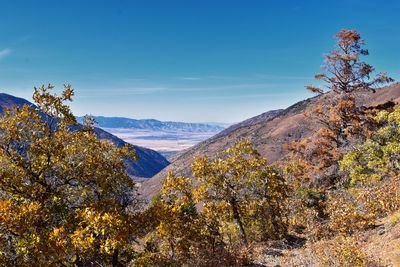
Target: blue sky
pixel 203 61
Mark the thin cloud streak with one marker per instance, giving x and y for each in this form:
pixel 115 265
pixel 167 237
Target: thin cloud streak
pixel 4 53
pixel 107 92
pixel 122 91
pixel 247 86
pixel 189 78
pixel 255 76
pixel 249 96
pixel 24 39
pixel 279 77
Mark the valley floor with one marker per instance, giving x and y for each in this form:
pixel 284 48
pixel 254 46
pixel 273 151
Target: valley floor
pixel 167 143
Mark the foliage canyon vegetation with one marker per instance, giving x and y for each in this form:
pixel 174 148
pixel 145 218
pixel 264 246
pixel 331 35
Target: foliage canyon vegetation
pixel 66 199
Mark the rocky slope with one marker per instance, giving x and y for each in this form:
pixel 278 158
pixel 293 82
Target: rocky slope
pixel 150 162
pixel 269 133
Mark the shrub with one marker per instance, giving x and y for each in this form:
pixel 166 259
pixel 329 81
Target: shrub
pixel 378 158
pixel 342 251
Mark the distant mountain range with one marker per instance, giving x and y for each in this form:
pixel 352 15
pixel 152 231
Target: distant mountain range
pixel 149 163
pixel 155 125
pixel 269 132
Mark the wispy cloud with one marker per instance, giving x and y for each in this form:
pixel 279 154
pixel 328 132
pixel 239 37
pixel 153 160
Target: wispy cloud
pixel 190 78
pixel 281 77
pixel 24 39
pixel 147 90
pixel 247 96
pixel 249 77
pixel 107 92
pixel 228 87
pixel 4 53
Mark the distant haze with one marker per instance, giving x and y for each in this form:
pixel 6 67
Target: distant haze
pixel 166 137
pixel 154 125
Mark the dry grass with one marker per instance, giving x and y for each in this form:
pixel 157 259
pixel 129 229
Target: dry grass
pixel 375 247
pixel 395 218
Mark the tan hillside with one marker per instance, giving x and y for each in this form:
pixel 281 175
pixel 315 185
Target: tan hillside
pixel 381 245
pixel 269 133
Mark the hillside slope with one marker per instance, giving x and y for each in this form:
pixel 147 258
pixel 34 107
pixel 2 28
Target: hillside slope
pixel 150 162
pixel 380 244
pixel 269 132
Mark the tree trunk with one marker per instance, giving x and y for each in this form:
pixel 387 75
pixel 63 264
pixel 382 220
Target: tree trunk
pixel 238 221
pixel 77 262
pixel 115 262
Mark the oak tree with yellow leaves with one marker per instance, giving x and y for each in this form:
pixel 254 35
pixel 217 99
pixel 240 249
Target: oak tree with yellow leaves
pixel 210 219
pixel 65 197
pixel 181 234
pixel 239 187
